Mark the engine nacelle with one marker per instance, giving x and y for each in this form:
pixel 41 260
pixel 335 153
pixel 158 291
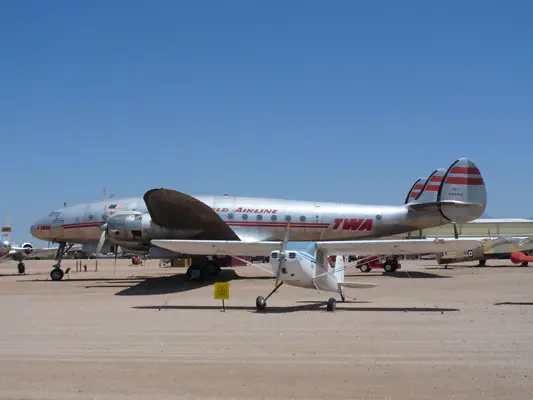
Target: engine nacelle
pixel 134 230
pixel 28 248
pixel 128 227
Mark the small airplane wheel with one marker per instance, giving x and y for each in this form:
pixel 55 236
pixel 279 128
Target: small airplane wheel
pixel 57 274
pixel 21 268
pixel 364 268
pixel 331 304
pixel 260 303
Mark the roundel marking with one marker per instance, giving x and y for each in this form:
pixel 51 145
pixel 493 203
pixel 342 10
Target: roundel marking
pixel 470 254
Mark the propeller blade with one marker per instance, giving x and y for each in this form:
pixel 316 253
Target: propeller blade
pixel 455 233
pixel 115 266
pixel 101 242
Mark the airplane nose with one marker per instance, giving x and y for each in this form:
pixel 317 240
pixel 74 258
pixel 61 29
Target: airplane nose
pixel 35 232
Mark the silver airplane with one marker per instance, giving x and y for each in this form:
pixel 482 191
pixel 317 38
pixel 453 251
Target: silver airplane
pixel 10 251
pixel 456 194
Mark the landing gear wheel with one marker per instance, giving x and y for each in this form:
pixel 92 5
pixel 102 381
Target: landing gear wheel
pixel 524 264
pixel 21 267
pixel 331 304
pixel 389 267
pixel 260 303
pixel 194 273
pixel 212 268
pixel 365 268
pixel 482 263
pixel 57 274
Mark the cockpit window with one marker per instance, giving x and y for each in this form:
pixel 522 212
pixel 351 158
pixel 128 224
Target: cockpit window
pixel 112 206
pixel 54 214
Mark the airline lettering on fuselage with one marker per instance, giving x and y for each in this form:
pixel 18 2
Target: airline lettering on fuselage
pixel 44 227
pixel 248 210
pixel 353 224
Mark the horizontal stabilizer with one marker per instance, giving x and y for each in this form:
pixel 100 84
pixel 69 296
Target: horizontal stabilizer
pixel 458 193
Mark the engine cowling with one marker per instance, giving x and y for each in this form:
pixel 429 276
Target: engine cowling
pixel 28 248
pixel 129 227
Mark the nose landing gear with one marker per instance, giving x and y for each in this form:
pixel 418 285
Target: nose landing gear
pixel 57 273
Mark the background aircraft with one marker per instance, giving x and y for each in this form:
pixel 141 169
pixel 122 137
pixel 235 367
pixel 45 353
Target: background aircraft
pixel 456 194
pixel 493 248
pixel 10 251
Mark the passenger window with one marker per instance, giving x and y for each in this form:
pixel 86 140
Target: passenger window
pixel 245 216
pixel 302 218
pixel 287 217
pixel 259 217
pixel 230 216
pixel 274 217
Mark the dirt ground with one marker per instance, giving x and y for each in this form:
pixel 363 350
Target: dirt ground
pixel 143 332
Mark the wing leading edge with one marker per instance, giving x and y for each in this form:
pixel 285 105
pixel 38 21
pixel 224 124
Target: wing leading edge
pixel 367 247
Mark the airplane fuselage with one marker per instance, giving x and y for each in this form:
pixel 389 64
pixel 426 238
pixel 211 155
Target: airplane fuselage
pixel 250 218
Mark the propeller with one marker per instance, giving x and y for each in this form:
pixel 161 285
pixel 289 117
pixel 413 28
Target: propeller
pixel 103 227
pixel 455 233
pixel 282 253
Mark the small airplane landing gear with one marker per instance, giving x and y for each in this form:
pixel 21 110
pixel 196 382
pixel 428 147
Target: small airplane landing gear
pixel 260 301
pixel 331 304
pixel 21 267
pixel 343 297
pixel 57 273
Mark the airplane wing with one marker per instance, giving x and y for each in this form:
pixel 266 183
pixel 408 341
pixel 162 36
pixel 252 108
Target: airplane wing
pixel 351 247
pixel 219 247
pixel 176 210
pixel 397 247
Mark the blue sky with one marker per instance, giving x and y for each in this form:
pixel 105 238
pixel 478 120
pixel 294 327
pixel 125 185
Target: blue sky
pixel 331 101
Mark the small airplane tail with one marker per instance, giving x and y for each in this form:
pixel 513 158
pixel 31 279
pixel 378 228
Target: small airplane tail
pixel 458 193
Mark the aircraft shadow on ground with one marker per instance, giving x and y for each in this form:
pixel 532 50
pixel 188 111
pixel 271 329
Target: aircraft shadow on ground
pixel 511 303
pixel 415 275
pixel 310 306
pixel 178 283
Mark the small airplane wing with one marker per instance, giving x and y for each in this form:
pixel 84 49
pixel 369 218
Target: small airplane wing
pixel 396 247
pixel 219 247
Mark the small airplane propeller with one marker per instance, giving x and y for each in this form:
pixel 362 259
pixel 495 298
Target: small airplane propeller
pixel 282 253
pixel 455 233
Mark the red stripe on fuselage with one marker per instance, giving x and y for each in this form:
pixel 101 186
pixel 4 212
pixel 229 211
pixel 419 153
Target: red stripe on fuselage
pixel 82 225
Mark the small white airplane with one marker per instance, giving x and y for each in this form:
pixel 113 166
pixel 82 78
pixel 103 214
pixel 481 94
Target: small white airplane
pixel 307 265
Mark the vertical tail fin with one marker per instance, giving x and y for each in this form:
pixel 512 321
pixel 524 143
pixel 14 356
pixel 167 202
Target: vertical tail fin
pixel 339 268
pixel 459 192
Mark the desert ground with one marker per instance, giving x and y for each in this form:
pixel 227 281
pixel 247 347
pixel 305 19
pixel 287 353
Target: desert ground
pixel 144 332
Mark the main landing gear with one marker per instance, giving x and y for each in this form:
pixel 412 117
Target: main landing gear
pixel 57 273
pixel 21 267
pixel 260 301
pixel 200 271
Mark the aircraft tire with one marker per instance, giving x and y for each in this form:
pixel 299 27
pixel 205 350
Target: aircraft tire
pixel 260 303
pixel 524 264
pixel 331 305
pixel 57 274
pixel 196 272
pixel 21 268
pixel 213 268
